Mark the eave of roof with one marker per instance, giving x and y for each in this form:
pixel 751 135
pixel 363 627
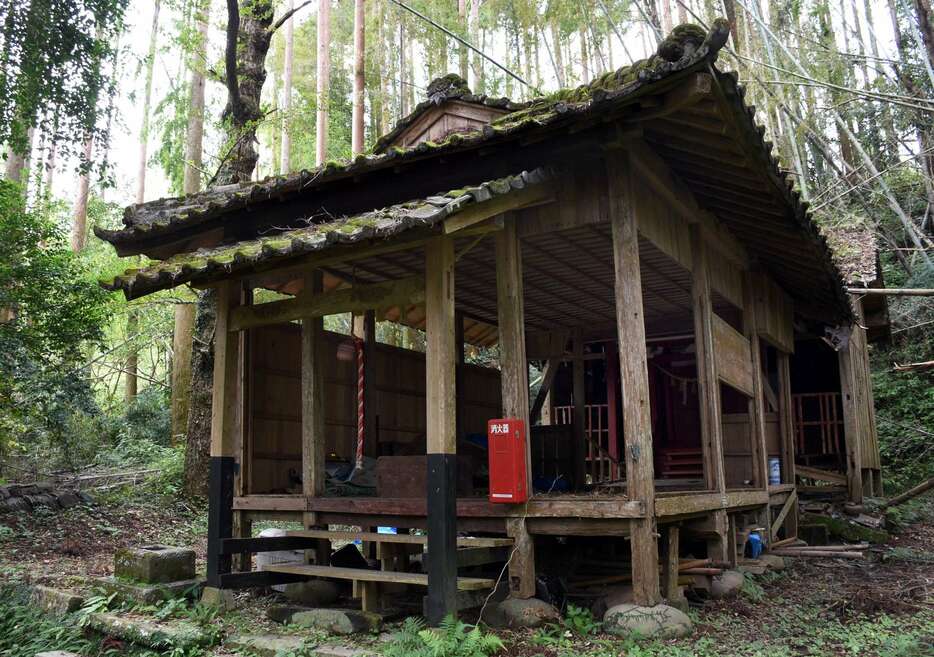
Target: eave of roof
pixel 227 260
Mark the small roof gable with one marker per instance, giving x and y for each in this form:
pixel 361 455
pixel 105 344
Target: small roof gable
pixel 447 96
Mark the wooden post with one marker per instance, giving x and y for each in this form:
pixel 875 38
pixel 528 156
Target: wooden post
pixel 786 425
pixel 440 361
pixel 637 416
pixel 225 426
pixel 515 386
pixel 707 380
pixel 708 384
pixel 672 551
pixel 580 410
pixel 242 526
pixel 313 432
pixel 850 398
pixel 760 457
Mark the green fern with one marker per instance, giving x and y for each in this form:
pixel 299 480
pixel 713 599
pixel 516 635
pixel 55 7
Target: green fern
pixel 453 638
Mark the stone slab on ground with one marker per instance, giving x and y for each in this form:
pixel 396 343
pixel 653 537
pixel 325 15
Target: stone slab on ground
pixel 283 613
pixel 660 621
pixel 727 584
pixel 57 653
pixel 154 564
pixel 56 601
pixel 222 599
pixel 272 645
pixel 148 633
pixel 149 594
pixel 312 593
pixel 516 613
pixel 772 561
pixel 338 621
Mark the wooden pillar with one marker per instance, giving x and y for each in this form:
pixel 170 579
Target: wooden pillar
pixel 672 551
pixel 637 415
pixel 225 427
pixel 515 387
pixel 757 403
pixel 313 432
pixel 786 425
pixel 707 379
pixel 440 360
pixel 851 424
pixel 580 410
pixel 612 395
pixel 708 384
pixel 242 525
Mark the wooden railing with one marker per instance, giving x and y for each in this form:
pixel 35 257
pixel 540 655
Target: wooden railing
pixel 601 466
pixel 820 410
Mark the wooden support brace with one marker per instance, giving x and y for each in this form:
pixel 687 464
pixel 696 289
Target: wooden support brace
pixel 356 299
pixel 780 518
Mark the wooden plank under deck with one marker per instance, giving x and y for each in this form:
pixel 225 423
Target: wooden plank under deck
pixel 551 515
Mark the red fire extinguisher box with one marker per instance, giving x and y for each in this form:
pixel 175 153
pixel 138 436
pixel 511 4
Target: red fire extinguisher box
pixel 506 442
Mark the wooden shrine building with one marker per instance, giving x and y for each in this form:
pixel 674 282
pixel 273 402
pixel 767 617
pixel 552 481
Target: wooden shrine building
pixel 633 239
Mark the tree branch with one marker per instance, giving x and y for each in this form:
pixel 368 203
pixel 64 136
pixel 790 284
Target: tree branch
pixel 279 23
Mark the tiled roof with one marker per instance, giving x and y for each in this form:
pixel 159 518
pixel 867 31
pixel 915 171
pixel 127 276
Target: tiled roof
pixel 376 224
pixel 686 47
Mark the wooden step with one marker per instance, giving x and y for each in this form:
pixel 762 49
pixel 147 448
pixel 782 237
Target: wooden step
pixel 408 539
pixel 387 576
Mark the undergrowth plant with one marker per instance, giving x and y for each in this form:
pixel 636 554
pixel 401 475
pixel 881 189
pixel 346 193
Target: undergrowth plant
pixel 453 638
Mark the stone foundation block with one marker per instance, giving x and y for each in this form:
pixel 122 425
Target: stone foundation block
pixel 338 621
pixel 56 601
pixel 154 564
pixel 149 594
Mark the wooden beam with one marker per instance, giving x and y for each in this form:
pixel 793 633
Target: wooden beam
pixel 624 201
pixel 578 386
pixel 356 299
pixel 514 367
pixel 780 518
pixel 225 427
pixel 480 212
pixel 892 291
pixel 441 429
pixel 689 92
pixel 312 411
pixel 851 422
pixel 655 171
pixel 757 402
pixel 820 475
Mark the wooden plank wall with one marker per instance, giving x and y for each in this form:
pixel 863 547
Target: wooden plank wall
pixel 399 387
pixel 737 446
pixel 868 438
pixel 734 358
pixel 774 313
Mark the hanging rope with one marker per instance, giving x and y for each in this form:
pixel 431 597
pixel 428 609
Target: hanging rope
pixel 361 392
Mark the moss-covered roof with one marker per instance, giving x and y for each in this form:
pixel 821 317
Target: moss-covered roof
pixel 205 264
pixel 688 46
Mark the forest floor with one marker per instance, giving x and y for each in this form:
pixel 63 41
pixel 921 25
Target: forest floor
pixel 883 605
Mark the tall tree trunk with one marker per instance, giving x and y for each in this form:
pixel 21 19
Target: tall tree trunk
pixel 925 27
pixel 585 56
pixel 559 55
pixel 147 104
pixel 359 76
pixel 462 49
pixel 79 226
pixel 132 359
pixel 245 70
pixel 195 134
pixel 323 81
pixel 384 69
pixel 17 163
pixel 477 84
pixel 666 17
pixel 185 312
pixel 285 159
pixel 131 382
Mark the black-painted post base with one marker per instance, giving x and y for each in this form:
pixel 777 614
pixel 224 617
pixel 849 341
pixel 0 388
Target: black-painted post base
pixel 220 516
pixel 442 538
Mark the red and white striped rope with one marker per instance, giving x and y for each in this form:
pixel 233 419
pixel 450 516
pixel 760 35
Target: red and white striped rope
pixel 361 381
